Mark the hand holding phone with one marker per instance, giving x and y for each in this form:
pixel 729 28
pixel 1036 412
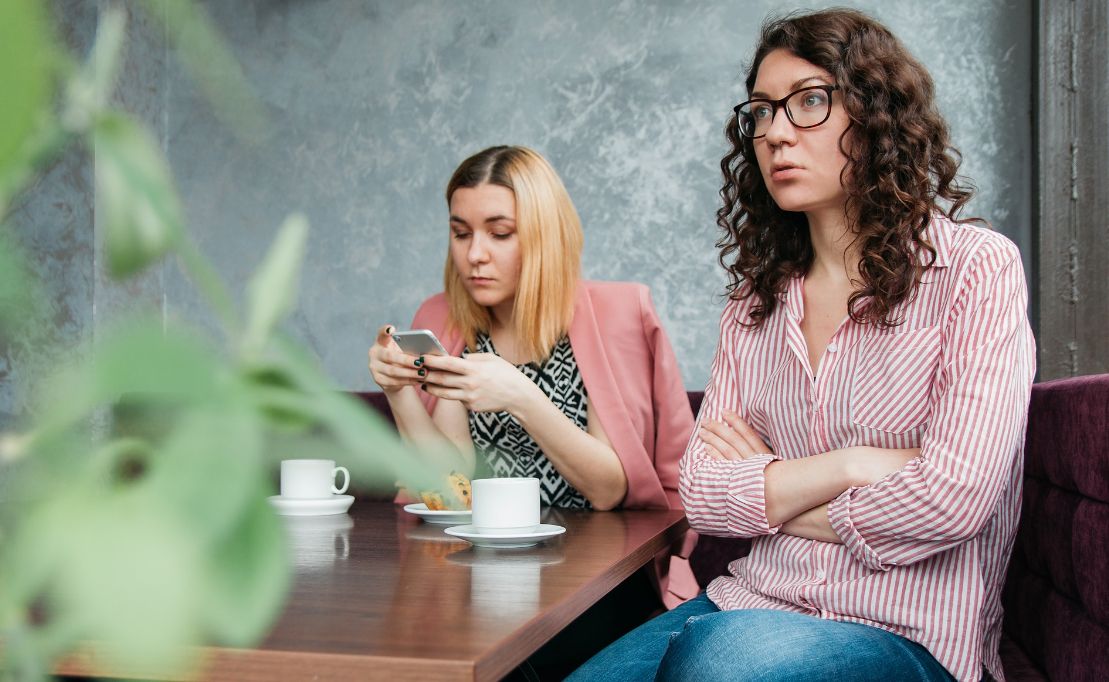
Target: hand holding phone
pixel 419 342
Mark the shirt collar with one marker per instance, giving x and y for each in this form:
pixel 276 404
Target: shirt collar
pixel 793 297
pixel 938 234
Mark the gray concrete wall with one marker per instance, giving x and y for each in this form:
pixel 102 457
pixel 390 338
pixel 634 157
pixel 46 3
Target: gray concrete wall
pixel 53 223
pixel 374 103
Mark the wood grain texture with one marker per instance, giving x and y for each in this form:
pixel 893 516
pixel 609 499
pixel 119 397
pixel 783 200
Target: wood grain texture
pixel 1072 278
pixel 389 597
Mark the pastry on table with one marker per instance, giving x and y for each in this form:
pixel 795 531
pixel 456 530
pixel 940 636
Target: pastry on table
pixel 454 496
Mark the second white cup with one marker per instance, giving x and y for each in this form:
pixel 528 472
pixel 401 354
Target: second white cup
pixel 505 505
pixel 311 479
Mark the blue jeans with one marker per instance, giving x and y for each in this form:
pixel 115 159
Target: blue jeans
pixel 697 641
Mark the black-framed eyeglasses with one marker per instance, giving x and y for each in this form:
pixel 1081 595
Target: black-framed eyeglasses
pixel 806 108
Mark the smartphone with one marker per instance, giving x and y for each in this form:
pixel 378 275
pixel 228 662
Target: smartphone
pixel 419 342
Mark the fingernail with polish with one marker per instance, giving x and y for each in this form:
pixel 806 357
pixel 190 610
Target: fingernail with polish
pixel 423 387
pixel 421 372
pixel 419 361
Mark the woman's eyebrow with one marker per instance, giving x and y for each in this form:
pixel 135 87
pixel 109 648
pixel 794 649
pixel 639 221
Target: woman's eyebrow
pixel 490 219
pixel 796 85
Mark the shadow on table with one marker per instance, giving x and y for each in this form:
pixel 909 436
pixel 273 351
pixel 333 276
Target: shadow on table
pixel 628 605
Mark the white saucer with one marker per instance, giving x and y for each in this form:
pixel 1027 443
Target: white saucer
pixel 544 531
pixel 430 532
pixel 336 504
pixel 445 517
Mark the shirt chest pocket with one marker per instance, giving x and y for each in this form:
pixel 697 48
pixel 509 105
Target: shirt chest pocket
pixel 893 380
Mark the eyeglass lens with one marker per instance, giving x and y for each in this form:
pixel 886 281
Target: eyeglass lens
pixel 805 108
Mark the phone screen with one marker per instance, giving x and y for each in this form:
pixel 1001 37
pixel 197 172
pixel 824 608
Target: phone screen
pixel 419 342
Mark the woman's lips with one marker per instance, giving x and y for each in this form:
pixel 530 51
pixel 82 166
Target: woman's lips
pixel 481 281
pixel 785 173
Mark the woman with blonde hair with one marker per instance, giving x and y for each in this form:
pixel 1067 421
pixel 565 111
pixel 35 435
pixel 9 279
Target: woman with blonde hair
pixel 569 381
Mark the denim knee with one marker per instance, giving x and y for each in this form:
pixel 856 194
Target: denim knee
pixel 692 653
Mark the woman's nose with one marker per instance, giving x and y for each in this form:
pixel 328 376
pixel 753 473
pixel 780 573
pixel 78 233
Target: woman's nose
pixel 477 253
pixel 781 130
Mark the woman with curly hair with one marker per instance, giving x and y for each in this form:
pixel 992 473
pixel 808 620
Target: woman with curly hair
pixel 864 422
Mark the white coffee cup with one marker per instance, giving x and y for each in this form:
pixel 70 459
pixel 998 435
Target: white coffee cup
pixel 311 479
pixel 505 505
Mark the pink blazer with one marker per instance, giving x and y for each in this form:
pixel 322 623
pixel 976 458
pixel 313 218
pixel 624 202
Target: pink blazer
pixel 632 379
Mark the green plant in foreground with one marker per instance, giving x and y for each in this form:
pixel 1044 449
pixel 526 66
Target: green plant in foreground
pixel 152 534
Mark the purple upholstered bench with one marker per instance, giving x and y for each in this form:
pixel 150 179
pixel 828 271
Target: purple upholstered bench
pixel 1056 594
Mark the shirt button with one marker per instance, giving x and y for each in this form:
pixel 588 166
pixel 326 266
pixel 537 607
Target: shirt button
pixel 832 347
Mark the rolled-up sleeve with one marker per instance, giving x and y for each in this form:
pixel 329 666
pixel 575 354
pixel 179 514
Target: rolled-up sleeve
pixel 970 447
pixel 724 497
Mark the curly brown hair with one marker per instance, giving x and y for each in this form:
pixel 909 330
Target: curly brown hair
pixel 900 167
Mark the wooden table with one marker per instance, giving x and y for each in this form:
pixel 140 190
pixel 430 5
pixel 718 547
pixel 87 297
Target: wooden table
pixel 379 594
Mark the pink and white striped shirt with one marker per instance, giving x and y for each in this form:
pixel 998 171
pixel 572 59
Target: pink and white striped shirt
pixel 924 549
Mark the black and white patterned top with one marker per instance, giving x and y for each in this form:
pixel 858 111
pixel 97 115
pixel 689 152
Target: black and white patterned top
pixel 507 450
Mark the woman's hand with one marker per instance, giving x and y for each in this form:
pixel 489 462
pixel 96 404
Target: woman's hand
pixel 483 382
pixel 392 368
pixel 732 438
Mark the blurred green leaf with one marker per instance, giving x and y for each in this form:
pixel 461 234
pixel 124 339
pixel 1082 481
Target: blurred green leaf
pixel 30 470
pixel 89 92
pixel 154 534
pixel 272 290
pixel 103 63
pixel 139 360
pixel 375 452
pixel 136 203
pixel 28 565
pixel 120 462
pixel 135 577
pixel 311 415
pixel 211 467
pixel 279 399
pixel 114 568
pixel 38 148
pixel 25 77
pixel 248 578
pixel 210 63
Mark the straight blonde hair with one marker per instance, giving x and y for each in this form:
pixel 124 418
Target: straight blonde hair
pixel 549 231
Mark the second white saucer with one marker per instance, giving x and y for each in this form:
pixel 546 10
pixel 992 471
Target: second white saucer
pixel 544 531
pixel 445 517
pixel 336 504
